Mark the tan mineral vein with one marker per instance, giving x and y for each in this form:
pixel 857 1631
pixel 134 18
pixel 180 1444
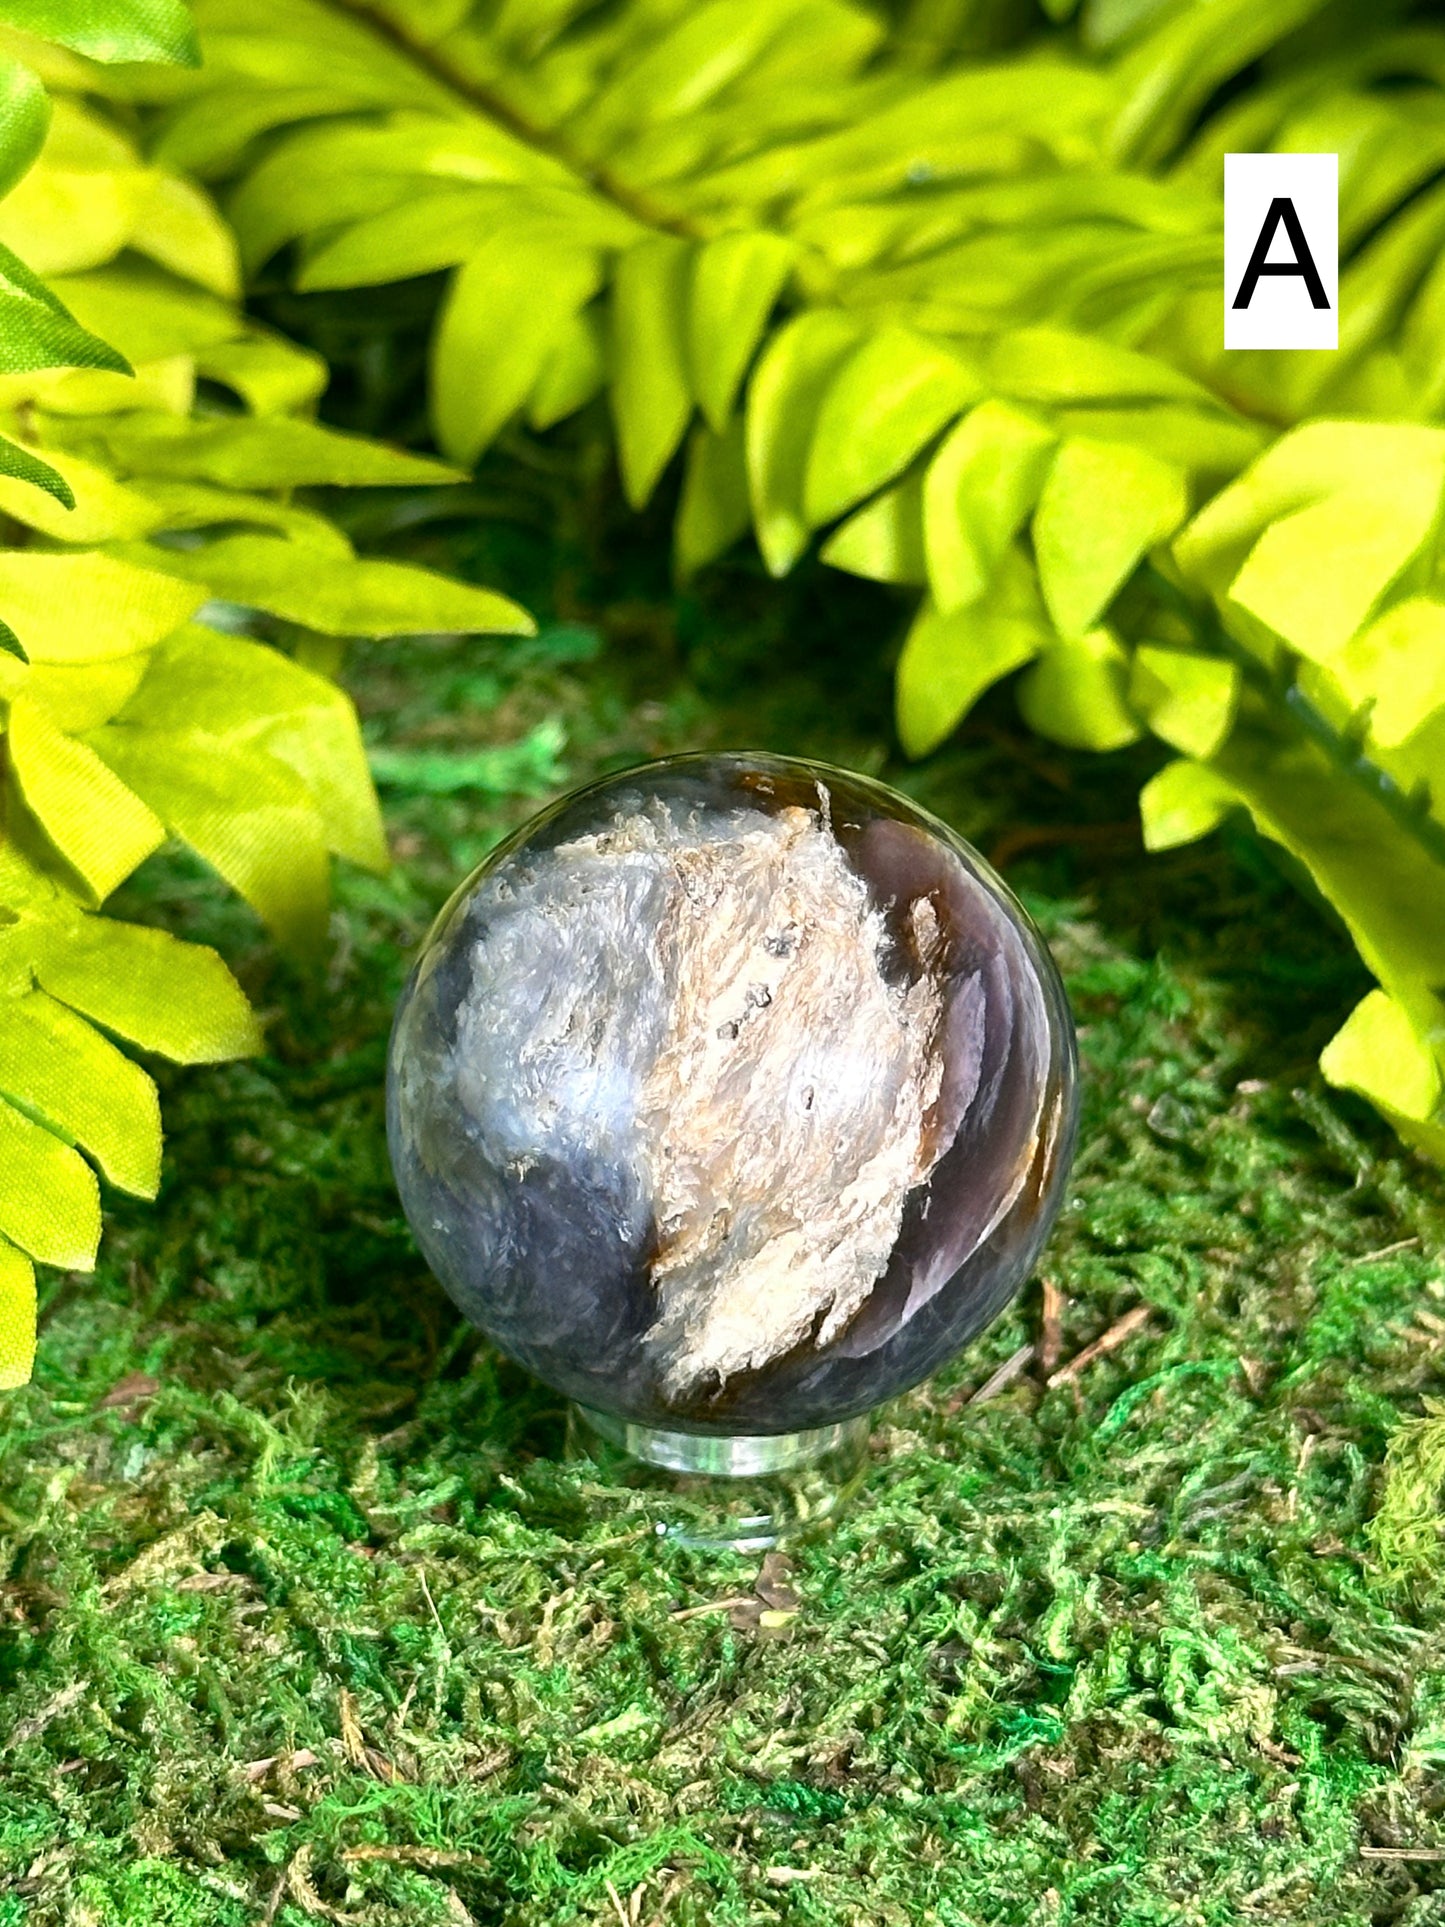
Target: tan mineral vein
pixel 782 1123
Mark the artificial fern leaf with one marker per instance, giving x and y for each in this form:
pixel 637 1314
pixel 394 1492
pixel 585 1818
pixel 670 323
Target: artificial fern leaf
pixel 695 56
pixel 86 607
pixel 1184 802
pixel 80 696
pixel 981 487
pixel 1385 886
pixel 575 370
pixel 950 659
pixel 18 464
pixel 272 376
pixel 651 390
pixel 249 815
pixel 24 115
pixel 280 60
pixel 1077 693
pixel 179 229
pixel 247 452
pixel 1314 576
pixel 888 400
pixel 783 407
pixel 1373 845
pixel 884 540
pixel 1188 699
pixel 94 507
pixel 446 228
pixel 101 828
pixel 1397 666
pixel 1207 445
pixel 17 1316
pixel 206 138
pixel 1103 506
pixel 337 595
pixel 88 197
pixel 1061 365
pixel 1396 462
pixel 189 506
pixel 714 509
pixel 494 320
pixel 49 1198
pixel 152 313
pixel 333 171
pixel 177 999
pixel 234 690
pixel 736 280
pixel 1169 74
pixel 1380 1054
pixel 110 29
pixel 241 692
pixel 61 1071
pixel 443 229
pixel 37 331
pixel 1376 492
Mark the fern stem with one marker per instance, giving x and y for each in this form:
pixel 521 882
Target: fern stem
pixel 545 139
pixel 1409 814
pixel 1343 750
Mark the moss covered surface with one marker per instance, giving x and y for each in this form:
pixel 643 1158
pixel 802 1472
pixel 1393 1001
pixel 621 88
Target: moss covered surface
pixel 306 1616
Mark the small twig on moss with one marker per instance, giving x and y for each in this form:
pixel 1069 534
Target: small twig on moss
pixel 1386 1251
pixel 273 1905
pixel 30 1729
pixel 352 1737
pixel 1051 1334
pixel 1000 1380
pixel 1402 1853
pixel 432 1609
pixel 415 1856
pixel 129 1394
pixel 1048 836
pixel 714 1606
pixel 1111 1340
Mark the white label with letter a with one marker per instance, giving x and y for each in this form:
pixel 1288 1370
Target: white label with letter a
pixel 1281 250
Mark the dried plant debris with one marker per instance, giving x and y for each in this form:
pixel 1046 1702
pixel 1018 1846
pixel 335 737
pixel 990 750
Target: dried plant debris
pixel 773 1604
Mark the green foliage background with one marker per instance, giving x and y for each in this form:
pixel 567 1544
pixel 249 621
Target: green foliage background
pixel 136 707
pixel 942 294
pixel 933 296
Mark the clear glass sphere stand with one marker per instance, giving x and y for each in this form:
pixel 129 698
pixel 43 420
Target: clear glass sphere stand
pixel 746 1493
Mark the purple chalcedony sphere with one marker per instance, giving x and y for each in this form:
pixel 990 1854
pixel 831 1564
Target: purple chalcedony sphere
pixel 733 1094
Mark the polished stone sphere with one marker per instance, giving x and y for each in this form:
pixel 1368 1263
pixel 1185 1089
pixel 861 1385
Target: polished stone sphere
pixel 732 1095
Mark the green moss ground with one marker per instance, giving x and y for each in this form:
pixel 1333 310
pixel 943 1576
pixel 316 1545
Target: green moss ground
pixel 305 1616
